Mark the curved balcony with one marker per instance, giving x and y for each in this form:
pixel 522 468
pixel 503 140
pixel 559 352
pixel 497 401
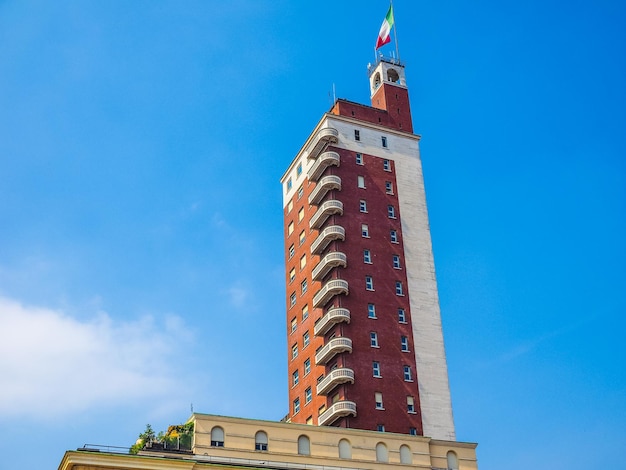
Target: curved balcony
pixel 334 232
pixel 324 185
pixel 336 377
pixel 324 137
pixel 328 262
pixel 332 317
pixel 331 288
pixel 324 211
pixel 332 348
pixel 326 159
pixel 338 410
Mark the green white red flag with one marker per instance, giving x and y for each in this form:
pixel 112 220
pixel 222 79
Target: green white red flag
pixel 385 29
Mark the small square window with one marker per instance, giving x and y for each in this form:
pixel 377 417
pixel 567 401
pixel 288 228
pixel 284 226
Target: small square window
pixel 308 395
pixel 399 288
pixel 359 159
pixel 292 274
pixel 373 339
pixel 407 374
pixel 393 235
pixel 296 406
pixel 292 251
pixel 383 141
pixel 413 431
pixel 369 283
pixel 376 369
pixel 386 165
pixel 371 311
pixel 302 261
pixel 294 351
pixel 404 343
pixel 378 398
pixel 401 315
pixel 391 212
pixel 299 169
pixel 294 324
pixel 306 339
pixel 295 378
pixel 301 214
pixel 301 237
pixel 357 134
pixel 362 205
pixel 290 228
pixel 410 404
pixel 360 182
pixel 365 231
pixel 292 299
pixel 396 261
pixel 289 206
pixel 307 366
pixel 367 256
pixel 380 427
pixel 388 187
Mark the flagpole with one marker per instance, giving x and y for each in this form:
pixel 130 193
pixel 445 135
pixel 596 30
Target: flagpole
pixel 395 31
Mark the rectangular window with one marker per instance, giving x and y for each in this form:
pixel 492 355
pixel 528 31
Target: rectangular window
pixel 321 409
pixel 308 395
pixel 290 228
pixel 299 169
pixel 305 312
pixel 407 374
pixel 307 366
pixel 386 165
pixel 396 262
pixel 292 299
pixel 294 351
pixel 289 206
pixel 378 397
pixel 380 427
pixel 294 324
pixel 365 231
pixel 401 315
pixel 304 286
pixel 296 406
pixel 301 214
pixel 306 339
pixel 369 283
pixel 383 141
pixel 302 261
pixel 292 251
pixel 309 420
pixel 371 311
pixel 367 256
pixel 357 134
pixel 300 192
pixel 391 212
pixel 320 378
pixel 388 187
pixel 359 159
pixel 410 404
pixel 393 235
pixel 360 182
pixel 292 274
pixel 413 431
pixel 295 378
pixel 376 369
pixel 362 205
pixel 404 343
pixel 399 289
pixel 373 339
pixel 289 185
pixel 301 237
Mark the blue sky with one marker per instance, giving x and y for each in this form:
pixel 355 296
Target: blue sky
pixel 141 262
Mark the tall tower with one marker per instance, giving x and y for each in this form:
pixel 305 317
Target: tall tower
pixel 365 344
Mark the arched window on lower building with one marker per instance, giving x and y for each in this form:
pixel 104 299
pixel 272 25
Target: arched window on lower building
pixel 260 441
pixel 405 455
pixel 304 445
pixel 381 453
pixel 345 449
pixel 453 461
pixel 217 437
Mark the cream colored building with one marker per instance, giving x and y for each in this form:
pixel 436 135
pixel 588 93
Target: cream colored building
pixel 234 443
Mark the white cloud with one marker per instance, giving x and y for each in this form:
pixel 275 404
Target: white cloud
pixel 53 364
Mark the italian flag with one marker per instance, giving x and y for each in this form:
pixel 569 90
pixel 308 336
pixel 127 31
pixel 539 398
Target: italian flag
pixel 385 29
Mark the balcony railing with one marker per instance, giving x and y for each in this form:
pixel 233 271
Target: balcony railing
pixel 328 262
pixel 324 137
pixel 324 161
pixel 334 232
pixel 336 411
pixel 331 288
pixel 324 185
pixel 325 211
pixel 336 377
pixel 332 348
pixel 332 317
